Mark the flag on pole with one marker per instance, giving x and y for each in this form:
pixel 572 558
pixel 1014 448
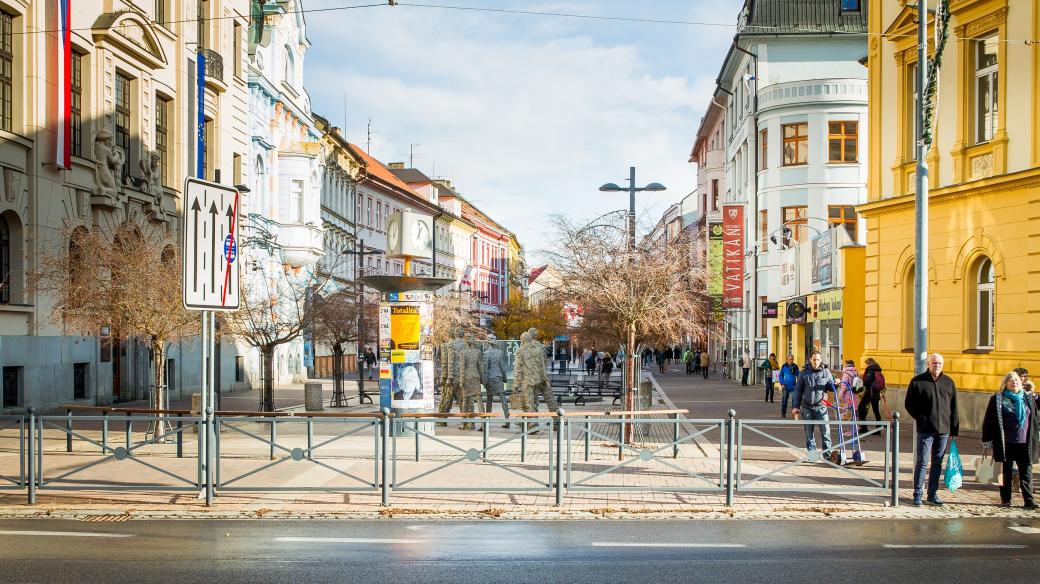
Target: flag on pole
pixel 63 141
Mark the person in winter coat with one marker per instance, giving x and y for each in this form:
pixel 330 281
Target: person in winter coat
pixel 687 358
pixel 810 394
pixel 873 385
pixel 788 379
pixel 660 360
pixel 849 374
pixel 767 366
pixel 705 361
pixel 931 400
pixel 1010 429
pixel 745 369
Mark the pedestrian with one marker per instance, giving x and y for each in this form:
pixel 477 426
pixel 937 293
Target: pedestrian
pixel 768 366
pixel 370 361
pixel 849 375
pixel 788 379
pixel 931 400
pixel 1009 428
pixel 688 360
pixel 873 389
pixel 590 363
pixel 563 358
pixel 705 361
pixel 660 360
pixel 745 368
pixel 697 362
pixel 810 395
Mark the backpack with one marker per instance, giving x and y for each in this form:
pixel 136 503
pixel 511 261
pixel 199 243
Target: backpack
pixel 879 382
pixel 857 384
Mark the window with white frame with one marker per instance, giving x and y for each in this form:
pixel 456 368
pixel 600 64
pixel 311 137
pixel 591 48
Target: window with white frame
pixel 296 201
pixel 914 82
pixel 985 304
pixel 985 88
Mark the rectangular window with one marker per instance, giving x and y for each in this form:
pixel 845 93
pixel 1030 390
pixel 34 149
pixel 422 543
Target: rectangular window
pixel 296 201
pixel 236 48
pixel 796 143
pixel 79 380
pixel 209 154
pixel 763 228
pixel 160 12
pixel 843 215
pixel 76 104
pixel 985 89
pixel 379 215
pixel 12 391
pixel 369 224
pixel 240 369
pixel 122 136
pixel 915 83
pixel 162 136
pixel 763 141
pixel 797 220
pixel 843 141
pixel 851 5
pixel 6 70
pixel 714 194
pixel 236 169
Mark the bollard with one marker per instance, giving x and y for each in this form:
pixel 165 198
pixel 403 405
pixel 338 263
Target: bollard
pixel 32 458
pixel 675 436
pixel 129 429
pixel 104 432
pixel 560 421
pixel 730 439
pixel 588 430
pixel 523 441
pixel 274 436
pixel 386 439
pixel 895 459
pixel 180 437
pixel 68 431
pixel 310 438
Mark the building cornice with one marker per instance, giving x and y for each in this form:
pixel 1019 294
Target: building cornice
pixel 1006 182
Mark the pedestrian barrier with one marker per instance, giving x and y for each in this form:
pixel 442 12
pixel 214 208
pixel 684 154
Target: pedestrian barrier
pixel 561 452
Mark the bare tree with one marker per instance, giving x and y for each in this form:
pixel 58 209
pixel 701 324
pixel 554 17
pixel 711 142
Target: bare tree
pixel 125 278
pixel 336 322
pixel 653 292
pixel 457 309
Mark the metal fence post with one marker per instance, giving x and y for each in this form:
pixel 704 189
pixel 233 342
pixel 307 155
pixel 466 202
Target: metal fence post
pixel 588 429
pixel 180 437
pixel 274 435
pixel 68 431
pixel 129 429
pixel 104 432
pixel 675 436
pixel 209 455
pixel 895 459
pixel 484 431
pixel 560 421
pixel 32 458
pixel 310 438
pixel 415 429
pixel 523 440
pixel 386 439
pixel 730 440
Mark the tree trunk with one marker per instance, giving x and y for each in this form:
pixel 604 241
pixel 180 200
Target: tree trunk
pixel 337 376
pixel 160 395
pixel 630 372
pixel 267 385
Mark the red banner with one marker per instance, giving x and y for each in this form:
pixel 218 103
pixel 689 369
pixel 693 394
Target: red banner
pixel 732 256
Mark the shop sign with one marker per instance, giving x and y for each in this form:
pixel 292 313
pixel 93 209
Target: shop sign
pixel 828 305
pixel 715 259
pixel 769 310
pixel 733 256
pixel 788 273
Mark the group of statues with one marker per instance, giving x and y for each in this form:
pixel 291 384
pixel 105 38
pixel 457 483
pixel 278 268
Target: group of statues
pixel 108 168
pixel 464 368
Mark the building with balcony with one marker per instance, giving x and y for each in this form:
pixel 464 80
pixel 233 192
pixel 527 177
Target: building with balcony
pixel 133 142
pixel 984 174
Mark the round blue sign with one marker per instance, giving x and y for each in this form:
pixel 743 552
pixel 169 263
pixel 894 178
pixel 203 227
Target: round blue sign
pixel 230 249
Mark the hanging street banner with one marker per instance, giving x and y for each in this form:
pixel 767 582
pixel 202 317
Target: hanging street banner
pixel 714 288
pixel 733 256
pixel 209 252
pixel 822 261
pixel 789 272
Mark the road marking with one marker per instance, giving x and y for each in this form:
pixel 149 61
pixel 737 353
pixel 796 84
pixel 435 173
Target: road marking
pixel 665 545
pixel 344 540
pixel 954 547
pixel 1024 529
pixel 65 533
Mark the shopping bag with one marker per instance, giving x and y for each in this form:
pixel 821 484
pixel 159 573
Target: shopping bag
pixel 776 376
pixel 954 469
pixel 986 470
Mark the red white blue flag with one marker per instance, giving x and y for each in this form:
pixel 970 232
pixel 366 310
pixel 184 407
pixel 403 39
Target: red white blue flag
pixel 63 143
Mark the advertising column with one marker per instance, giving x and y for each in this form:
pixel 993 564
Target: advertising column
pixel 405 353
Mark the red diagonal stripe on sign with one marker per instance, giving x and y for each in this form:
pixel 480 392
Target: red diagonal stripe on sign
pixel 227 271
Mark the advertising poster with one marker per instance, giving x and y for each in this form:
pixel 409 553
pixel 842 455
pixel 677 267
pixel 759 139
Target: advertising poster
pixel 733 256
pixel 821 261
pixel 788 273
pixel 715 259
pixel 404 327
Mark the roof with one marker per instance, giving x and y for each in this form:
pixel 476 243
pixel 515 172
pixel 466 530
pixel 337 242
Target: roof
pixel 411 175
pixel 380 171
pixel 535 272
pixel 800 16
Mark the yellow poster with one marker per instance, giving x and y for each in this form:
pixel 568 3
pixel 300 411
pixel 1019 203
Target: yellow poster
pixel 404 327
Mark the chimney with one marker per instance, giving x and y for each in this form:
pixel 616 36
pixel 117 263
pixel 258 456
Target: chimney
pixel 396 166
pixel 443 182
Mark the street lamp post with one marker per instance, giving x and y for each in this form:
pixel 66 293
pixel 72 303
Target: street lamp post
pixel 630 361
pixel 359 290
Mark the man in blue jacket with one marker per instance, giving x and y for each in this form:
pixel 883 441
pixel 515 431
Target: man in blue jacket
pixel 810 393
pixel 788 379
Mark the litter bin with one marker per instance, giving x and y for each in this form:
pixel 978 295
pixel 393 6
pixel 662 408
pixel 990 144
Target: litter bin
pixel 312 397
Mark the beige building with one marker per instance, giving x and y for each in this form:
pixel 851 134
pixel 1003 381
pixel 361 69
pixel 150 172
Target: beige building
pixel 133 143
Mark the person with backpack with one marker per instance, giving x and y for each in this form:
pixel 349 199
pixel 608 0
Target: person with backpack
pixel 873 390
pixel 767 366
pixel 687 358
pixel 788 379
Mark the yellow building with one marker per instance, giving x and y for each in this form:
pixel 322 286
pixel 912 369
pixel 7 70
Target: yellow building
pixel 984 199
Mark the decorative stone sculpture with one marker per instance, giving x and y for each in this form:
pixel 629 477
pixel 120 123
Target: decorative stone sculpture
pixel 151 170
pixel 530 378
pixel 108 163
pixel 452 371
pixel 471 376
pixel 494 371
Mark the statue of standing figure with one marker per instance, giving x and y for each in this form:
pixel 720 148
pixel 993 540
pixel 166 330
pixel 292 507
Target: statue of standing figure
pixel 495 376
pixel 530 379
pixel 472 374
pixel 452 369
pixel 151 170
pixel 108 163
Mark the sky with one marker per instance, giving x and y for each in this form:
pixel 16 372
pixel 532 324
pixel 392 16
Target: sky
pixel 527 115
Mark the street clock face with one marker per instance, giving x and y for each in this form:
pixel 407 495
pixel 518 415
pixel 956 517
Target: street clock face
pixel 393 234
pixel 420 235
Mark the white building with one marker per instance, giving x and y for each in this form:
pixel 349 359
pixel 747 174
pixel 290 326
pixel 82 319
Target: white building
pixel 795 131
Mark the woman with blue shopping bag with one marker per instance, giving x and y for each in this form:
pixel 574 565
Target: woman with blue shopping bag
pixel 1009 428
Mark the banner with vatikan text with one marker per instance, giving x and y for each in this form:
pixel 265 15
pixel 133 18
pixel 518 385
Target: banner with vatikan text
pixel 732 256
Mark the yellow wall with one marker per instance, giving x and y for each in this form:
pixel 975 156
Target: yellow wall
pixel 976 210
pixel 852 303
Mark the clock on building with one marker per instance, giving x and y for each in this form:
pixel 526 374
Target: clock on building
pixel 409 234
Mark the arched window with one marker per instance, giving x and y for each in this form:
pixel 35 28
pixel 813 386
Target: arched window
pixel 261 183
pixel 5 261
pixel 289 73
pixel 985 293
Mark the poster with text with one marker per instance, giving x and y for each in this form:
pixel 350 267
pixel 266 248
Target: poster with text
pixel 733 256
pixel 404 327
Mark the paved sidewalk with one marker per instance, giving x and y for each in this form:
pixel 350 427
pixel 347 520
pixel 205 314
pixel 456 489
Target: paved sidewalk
pixel 513 480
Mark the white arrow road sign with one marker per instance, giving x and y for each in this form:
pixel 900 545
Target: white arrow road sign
pixel 210 249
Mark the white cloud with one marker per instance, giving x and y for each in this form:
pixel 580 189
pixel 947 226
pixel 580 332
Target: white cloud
pixel 527 115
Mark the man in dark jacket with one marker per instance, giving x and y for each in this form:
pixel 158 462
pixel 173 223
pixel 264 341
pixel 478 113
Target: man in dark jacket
pixel 810 392
pixel 872 388
pixel 931 400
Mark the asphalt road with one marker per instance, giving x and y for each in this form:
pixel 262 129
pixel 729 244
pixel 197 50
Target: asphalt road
pixel 404 550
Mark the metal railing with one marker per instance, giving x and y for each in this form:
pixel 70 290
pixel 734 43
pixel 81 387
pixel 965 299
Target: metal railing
pixel 544 453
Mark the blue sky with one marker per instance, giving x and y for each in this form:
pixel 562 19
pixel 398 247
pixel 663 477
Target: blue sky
pixel 527 115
